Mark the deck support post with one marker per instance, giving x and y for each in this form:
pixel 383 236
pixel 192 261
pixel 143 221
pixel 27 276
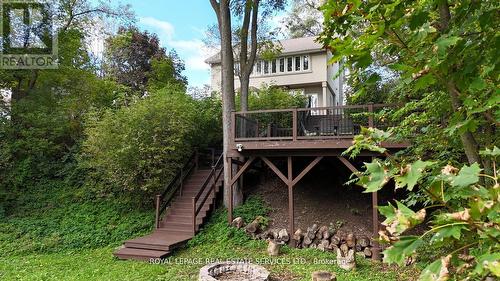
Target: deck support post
pixel 291 182
pixel 230 203
pixel 233 181
pixel 290 185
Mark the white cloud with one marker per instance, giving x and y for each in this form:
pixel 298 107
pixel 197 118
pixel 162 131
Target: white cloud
pixel 194 52
pixel 165 28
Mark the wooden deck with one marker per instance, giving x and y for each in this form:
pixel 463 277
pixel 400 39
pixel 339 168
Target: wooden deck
pixel 299 130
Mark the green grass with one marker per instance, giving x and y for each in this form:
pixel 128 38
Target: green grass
pixel 75 241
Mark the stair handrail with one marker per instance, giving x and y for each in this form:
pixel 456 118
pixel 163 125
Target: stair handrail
pixel 174 185
pixel 214 176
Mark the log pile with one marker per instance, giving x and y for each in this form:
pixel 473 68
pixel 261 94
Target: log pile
pixel 322 238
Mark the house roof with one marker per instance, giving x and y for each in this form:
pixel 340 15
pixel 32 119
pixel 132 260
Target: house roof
pixel 289 46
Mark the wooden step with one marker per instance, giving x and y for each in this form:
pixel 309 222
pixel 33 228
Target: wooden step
pixel 176 226
pixel 125 253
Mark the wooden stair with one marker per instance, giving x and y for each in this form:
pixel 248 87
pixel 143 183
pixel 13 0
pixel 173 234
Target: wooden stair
pixel 176 227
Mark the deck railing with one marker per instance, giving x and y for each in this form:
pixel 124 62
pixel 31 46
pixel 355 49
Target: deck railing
pixel 308 123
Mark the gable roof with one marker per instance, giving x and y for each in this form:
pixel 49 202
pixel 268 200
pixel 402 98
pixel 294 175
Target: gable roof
pixel 289 46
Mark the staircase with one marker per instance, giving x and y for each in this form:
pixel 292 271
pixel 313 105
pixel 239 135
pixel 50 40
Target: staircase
pixel 191 194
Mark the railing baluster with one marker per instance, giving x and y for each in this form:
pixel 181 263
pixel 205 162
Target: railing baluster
pixel 294 124
pixel 157 213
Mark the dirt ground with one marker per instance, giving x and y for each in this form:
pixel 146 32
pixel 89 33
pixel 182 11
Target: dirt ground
pixel 320 197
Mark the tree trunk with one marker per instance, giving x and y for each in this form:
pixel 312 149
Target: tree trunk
pixel 471 147
pixel 223 12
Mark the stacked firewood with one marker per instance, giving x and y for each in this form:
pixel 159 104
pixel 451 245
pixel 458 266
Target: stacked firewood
pixel 328 239
pixel 322 238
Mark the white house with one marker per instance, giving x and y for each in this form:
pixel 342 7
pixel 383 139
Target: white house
pixel 302 66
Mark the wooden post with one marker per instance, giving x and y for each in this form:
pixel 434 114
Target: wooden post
pixel 290 197
pixel 157 213
pixel 370 116
pixel 233 127
pixel 294 126
pixel 194 215
pixel 230 184
pixel 376 248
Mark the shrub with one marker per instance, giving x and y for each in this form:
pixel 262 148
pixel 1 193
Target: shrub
pixel 140 147
pixel 272 97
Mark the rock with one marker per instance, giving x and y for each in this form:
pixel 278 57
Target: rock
pixel 323 245
pixel 350 240
pixel 323 276
pixel 344 248
pixel 358 248
pixel 254 227
pixel 323 233
pixel 273 248
pixel 363 241
pixel 367 252
pixel 238 222
pixel 307 241
pixel 311 231
pixel 283 236
pixel 273 234
pixel 335 240
pixel 346 261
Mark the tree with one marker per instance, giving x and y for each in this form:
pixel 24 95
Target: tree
pixel 252 12
pixel 223 12
pixel 136 59
pixel 304 19
pixel 461 207
pixel 443 53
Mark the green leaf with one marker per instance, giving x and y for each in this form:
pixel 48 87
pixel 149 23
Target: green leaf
pixel 488 262
pixel 468 175
pixel 454 231
pixel 477 84
pixel 377 177
pixel 432 271
pixel 411 174
pixel 491 152
pixel 401 249
pixel 444 43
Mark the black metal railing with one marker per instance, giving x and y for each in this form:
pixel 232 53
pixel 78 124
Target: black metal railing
pixel 309 123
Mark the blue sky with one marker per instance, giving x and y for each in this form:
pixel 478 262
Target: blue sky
pixel 180 25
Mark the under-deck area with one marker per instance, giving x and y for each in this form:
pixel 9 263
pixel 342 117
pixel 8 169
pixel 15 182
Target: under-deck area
pixel 277 138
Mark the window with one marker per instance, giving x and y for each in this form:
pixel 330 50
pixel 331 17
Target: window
pixel 266 67
pixel 282 64
pixel 297 63
pixel 259 68
pixel 289 64
pixel 273 66
pixel 306 63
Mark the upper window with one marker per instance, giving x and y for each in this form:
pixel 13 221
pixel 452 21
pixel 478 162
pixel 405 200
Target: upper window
pixel 282 65
pixel 305 62
pixel 297 64
pixel 259 68
pixel 266 67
